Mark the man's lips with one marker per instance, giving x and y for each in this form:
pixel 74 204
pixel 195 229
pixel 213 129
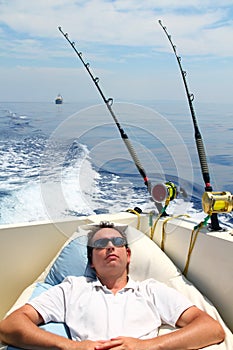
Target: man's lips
pixel 111 257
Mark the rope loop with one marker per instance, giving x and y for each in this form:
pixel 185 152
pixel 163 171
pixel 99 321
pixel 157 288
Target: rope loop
pixel 152 230
pixel 193 240
pixel 138 215
pixel 163 228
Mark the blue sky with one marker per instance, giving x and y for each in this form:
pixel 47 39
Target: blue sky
pixel 123 42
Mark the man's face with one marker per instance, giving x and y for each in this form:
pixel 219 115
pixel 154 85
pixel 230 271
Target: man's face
pixel 110 260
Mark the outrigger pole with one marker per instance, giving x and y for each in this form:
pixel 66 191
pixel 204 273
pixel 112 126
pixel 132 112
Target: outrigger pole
pixel 198 138
pixel 109 102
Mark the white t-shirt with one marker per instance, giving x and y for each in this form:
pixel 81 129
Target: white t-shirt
pixel 91 311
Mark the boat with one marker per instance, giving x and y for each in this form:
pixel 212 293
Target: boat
pixel 59 99
pixel 178 250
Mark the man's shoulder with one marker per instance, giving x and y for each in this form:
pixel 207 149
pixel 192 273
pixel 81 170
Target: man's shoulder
pixel 151 285
pixel 144 284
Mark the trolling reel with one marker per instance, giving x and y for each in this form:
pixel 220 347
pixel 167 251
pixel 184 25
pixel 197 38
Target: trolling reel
pixel 164 192
pixel 217 202
pixel 212 202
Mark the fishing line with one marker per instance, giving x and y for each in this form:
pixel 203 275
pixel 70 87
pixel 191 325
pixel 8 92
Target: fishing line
pixel 198 138
pixel 109 102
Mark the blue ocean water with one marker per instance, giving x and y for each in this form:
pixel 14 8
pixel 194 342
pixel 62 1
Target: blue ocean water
pixel 68 160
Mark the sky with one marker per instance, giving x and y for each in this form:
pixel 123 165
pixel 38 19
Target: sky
pixel 124 44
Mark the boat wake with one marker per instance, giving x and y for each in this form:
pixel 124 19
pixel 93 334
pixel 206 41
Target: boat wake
pixel 46 177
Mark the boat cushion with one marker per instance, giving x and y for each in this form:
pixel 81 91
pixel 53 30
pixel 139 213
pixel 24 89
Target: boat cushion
pixel 147 261
pixel 71 260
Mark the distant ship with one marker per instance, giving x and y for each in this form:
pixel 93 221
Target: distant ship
pixel 59 100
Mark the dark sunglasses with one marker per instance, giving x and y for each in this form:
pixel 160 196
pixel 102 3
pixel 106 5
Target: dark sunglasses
pixel 103 242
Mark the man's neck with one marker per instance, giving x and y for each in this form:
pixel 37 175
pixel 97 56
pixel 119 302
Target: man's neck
pixel 114 283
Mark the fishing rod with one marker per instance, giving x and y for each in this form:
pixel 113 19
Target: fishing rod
pixel 109 102
pixel 198 138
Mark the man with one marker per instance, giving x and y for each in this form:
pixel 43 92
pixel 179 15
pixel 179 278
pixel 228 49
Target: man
pixel 112 311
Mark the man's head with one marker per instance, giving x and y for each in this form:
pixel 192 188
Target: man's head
pixel 108 247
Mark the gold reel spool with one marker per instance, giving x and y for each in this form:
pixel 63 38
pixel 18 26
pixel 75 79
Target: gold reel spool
pixel 217 202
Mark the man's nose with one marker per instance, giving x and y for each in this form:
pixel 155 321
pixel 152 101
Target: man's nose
pixel 110 245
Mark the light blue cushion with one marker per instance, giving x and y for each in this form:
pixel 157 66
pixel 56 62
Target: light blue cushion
pixel 72 261
pixel 39 288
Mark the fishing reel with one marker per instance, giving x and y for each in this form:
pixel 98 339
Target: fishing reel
pixel 217 202
pixel 164 192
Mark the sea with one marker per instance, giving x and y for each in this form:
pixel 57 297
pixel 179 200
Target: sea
pixel 79 159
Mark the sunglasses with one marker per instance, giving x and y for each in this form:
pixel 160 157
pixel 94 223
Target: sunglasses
pixel 103 242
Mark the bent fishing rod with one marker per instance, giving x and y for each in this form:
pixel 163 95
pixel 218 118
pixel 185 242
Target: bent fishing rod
pixel 198 138
pixel 109 102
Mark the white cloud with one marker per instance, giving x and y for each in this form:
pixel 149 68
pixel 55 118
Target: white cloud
pixel 122 37
pixel 119 22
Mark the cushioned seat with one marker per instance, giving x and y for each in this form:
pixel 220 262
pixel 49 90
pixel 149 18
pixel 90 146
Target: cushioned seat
pixel 147 261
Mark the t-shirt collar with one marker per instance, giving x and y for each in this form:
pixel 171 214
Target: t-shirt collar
pixel 131 284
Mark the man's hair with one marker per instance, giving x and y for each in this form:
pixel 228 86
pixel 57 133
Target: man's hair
pixel 96 228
